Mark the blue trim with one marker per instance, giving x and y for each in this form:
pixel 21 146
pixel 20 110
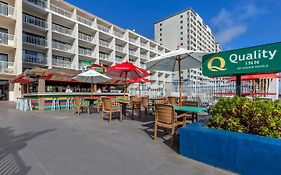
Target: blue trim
pixel 242 153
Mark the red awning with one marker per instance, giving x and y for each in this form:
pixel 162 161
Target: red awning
pixel 257 76
pixel 22 79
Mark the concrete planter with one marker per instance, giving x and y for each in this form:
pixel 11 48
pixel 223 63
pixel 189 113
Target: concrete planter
pixel 238 152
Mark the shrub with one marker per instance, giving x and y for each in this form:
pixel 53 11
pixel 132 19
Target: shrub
pixel 240 114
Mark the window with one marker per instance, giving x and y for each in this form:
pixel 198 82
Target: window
pixel 181 44
pixel 181 16
pixel 160 29
pixel 181 38
pixel 181 22
pixel 181 33
pixel 160 34
pixel 160 39
pixel 181 27
pixel 3 57
pixel 160 24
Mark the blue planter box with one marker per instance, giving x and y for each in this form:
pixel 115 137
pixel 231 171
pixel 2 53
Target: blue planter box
pixel 246 154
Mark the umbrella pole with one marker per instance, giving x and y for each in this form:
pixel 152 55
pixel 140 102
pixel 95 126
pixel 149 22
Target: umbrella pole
pixel 125 86
pixel 139 89
pixel 92 80
pixel 179 64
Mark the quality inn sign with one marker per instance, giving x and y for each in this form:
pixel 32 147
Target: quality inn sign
pixel 258 59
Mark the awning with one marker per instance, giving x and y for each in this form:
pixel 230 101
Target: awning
pixel 22 79
pixel 257 76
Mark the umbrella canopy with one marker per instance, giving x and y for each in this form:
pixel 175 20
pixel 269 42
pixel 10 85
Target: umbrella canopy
pixel 138 80
pixel 169 61
pixel 172 61
pixel 126 70
pixel 91 76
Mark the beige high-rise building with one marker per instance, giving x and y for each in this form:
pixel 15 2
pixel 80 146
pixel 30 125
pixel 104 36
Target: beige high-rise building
pixel 185 29
pixel 55 34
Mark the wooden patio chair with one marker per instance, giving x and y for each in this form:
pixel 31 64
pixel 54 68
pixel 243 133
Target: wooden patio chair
pixel 78 106
pixel 134 104
pixel 108 107
pixel 172 100
pixel 166 117
pixel 145 104
pixel 191 116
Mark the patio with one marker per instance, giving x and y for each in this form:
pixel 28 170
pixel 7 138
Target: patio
pixel 60 142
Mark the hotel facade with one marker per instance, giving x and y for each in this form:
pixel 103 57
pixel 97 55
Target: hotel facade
pixel 54 34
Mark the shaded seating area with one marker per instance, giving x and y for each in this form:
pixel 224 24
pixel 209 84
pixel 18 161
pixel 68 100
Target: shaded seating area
pixel 109 107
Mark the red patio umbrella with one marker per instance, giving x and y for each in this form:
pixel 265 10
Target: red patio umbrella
pixel 125 70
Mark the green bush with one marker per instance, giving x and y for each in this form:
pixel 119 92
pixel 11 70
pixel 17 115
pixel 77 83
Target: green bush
pixel 240 114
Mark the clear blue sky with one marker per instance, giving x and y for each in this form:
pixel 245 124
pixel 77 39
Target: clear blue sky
pixel 235 23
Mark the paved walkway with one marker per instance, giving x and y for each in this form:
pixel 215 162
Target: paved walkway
pixel 61 143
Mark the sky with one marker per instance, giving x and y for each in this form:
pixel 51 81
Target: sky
pixel 235 23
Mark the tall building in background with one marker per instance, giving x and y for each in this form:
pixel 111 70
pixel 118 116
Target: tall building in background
pixel 186 29
pixel 57 35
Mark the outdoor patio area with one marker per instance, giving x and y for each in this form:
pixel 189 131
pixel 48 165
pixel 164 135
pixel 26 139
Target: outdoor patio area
pixel 63 143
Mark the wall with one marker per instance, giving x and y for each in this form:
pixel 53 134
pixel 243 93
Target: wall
pixel 242 153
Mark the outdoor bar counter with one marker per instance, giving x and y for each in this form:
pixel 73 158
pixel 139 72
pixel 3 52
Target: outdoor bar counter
pixel 43 101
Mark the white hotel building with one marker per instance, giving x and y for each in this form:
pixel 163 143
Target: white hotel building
pixel 57 35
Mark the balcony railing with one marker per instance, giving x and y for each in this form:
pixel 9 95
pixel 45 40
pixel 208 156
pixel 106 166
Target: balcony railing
pixel 132 40
pixel 143 44
pixel 103 28
pixel 133 53
pixel 61 63
pixel 61 11
pixel 119 48
pixel 143 56
pixel 118 34
pixel 85 37
pixel 6 10
pixel 85 52
pixel 7 39
pixel 61 46
pixel 104 43
pixel 34 40
pixel 84 20
pixel 118 59
pixel 104 56
pixel 7 67
pixel 40 3
pixel 60 29
pixel 34 59
pixel 34 21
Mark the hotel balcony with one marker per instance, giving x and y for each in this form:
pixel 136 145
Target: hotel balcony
pixel 118 34
pixel 34 59
pixel 103 28
pixel 37 22
pixel 6 10
pixel 61 11
pixel 85 52
pixel 143 56
pixel 119 49
pixel 85 37
pixel 38 3
pixel 34 40
pixel 7 39
pixel 132 53
pixel 105 44
pixel 143 44
pixel 104 56
pixel 61 63
pixel 6 67
pixel 62 47
pixel 132 40
pixel 119 59
pixel 84 21
pixel 61 30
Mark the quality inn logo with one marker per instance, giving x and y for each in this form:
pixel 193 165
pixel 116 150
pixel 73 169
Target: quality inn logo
pixel 214 67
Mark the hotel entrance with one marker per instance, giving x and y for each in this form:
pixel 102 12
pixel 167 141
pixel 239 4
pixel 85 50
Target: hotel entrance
pixel 4 90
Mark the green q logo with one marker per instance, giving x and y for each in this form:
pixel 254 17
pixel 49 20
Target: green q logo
pixel 213 68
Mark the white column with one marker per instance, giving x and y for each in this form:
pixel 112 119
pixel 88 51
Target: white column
pixel 75 46
pixel 49 41
pixel 18 55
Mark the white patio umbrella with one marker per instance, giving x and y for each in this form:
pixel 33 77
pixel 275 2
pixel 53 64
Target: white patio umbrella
pixel 91 76
pixel 174 61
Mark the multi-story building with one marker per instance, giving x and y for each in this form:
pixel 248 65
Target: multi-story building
pixel 186 29
pixel 56 34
